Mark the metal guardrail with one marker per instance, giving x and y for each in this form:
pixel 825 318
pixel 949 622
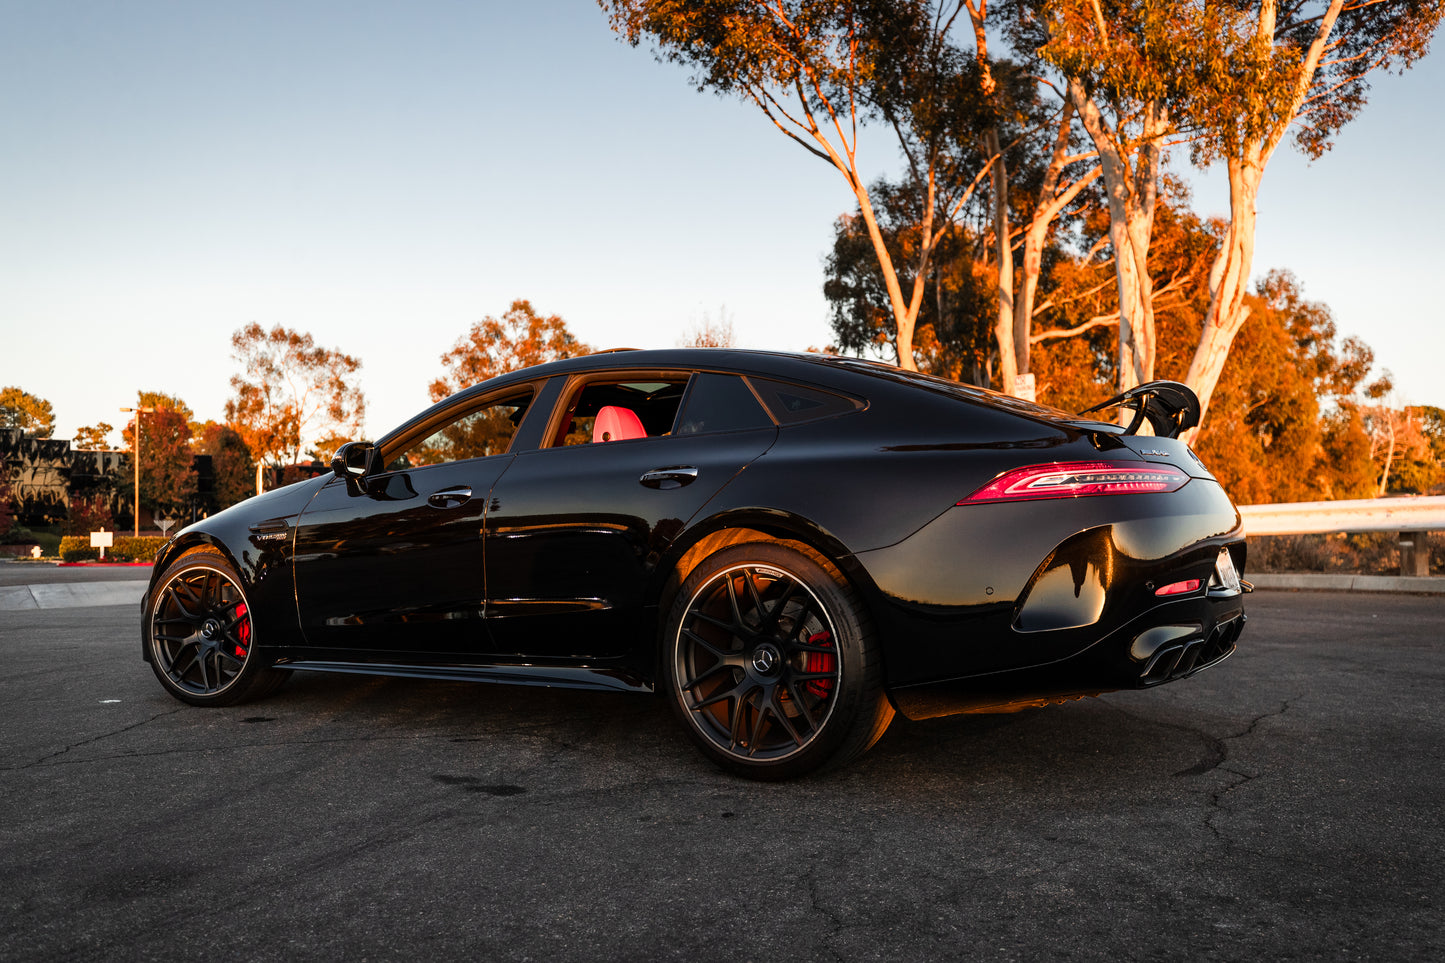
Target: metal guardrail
pixel 1412 517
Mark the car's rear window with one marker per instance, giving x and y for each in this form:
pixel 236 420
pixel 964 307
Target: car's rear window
pixel 955 389
pixel 791 404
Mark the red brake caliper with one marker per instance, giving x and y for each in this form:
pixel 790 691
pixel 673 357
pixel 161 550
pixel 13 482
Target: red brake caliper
pixel 820 662
pixel 243 631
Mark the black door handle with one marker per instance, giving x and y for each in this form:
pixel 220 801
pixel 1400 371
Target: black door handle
pixel 666 478
pixel 450 497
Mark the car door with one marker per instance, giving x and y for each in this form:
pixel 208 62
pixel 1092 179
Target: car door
pixel 574 528
pixel 391 568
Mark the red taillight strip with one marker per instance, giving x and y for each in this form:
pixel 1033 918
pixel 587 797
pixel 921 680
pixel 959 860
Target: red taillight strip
pixel 1180 588
pixel 1077 479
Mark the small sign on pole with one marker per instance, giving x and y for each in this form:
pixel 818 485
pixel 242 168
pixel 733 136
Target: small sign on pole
pixel 102 540
pixel 1024 387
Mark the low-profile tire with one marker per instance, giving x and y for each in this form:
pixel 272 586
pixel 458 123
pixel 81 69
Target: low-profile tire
pixel 771 663
pixel 200 638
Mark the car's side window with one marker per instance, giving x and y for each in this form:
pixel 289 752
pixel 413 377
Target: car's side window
pixel 792 404
pixel 608 411
pixel 476 434
pixel 720 402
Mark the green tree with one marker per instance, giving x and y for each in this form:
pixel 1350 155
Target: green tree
pixel 290 392
pixel 31 414
pixel 518 339
pixel 952 331
pixel 809 66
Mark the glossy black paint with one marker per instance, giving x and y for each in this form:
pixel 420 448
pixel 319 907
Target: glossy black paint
pixel 550 565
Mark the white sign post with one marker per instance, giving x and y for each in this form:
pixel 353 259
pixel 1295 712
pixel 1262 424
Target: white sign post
pixel 1024 387
pixel 102 540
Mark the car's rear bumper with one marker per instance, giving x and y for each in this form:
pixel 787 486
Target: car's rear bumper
pixel 1171 641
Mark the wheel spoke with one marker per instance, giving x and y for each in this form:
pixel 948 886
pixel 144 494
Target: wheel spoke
pixel 705 674
pixel 776 612
pixel 739 714
pixel 750 579
pixel 175 596
pixel 808 645
pixel 717 697
pixel 800 700
pixel 195 653
pixel 738 622
pixel 781 715
pixel 764 708
pixel 724 655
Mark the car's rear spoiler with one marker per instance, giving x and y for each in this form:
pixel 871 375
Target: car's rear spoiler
pixel 1172 408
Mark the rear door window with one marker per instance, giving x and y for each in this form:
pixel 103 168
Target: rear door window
pixel 720 402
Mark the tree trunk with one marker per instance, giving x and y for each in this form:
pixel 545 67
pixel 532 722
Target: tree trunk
pixel 1229 274
pixel 1004 326
pixel 1051 201
pixel 902 319
pixel 1132 195
pixel 1228 282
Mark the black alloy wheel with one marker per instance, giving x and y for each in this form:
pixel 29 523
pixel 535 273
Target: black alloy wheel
pixel 201 635
pixel 772 666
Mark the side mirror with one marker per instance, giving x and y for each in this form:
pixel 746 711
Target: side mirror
pixel 352 460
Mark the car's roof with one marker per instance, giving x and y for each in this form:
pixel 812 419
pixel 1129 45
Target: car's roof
pixel 840 373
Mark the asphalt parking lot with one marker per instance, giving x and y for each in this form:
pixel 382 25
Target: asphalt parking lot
pixel 1285 805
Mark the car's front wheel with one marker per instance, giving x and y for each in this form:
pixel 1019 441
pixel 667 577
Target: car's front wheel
pixel 201 637
pixel 772 664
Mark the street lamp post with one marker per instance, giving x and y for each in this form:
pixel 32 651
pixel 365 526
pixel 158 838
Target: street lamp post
pixel 135 509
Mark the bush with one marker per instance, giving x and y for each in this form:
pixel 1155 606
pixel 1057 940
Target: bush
pixel 127 548
pixel 88 514
pixel 1367 553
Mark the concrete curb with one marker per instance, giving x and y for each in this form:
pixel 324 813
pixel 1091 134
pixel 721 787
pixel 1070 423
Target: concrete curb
pixel 69 595
pixel 1349 583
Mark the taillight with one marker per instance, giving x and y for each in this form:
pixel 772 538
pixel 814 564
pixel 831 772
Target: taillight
pixel 1077 479
pixel 1180 588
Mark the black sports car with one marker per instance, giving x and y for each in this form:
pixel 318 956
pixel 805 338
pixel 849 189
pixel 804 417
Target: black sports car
pixel 790 548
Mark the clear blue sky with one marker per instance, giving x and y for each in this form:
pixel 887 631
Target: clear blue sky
pixel 384 174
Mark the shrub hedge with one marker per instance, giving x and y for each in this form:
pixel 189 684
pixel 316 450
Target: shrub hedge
pixel 127 548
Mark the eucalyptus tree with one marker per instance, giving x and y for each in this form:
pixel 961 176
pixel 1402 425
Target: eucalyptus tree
pixel 818 70
pixel 1279 68
pixel 290 390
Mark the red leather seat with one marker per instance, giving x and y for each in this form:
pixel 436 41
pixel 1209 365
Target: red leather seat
pixel 617 424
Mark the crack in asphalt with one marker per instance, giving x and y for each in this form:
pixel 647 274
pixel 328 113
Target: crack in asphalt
pixel 1214 760
pixel 1216 798
pixel 817 907
pixel 93 739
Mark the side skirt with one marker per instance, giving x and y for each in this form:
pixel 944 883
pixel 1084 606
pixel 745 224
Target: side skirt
pixel 561 677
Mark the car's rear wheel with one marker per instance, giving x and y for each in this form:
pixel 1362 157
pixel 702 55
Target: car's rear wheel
pixel 201 635
pixel 771 663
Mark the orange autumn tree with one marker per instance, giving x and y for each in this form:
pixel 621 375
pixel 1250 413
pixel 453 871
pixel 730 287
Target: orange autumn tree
pixel 518 339
pixel 291 391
